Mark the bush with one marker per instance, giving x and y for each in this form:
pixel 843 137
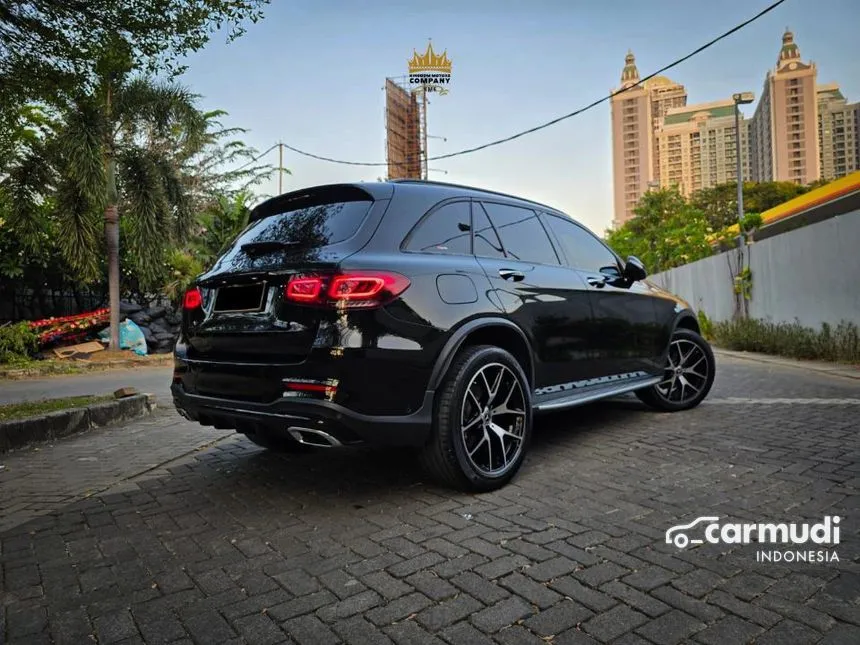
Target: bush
pixel 841 344
pixel 705 325
pixel 17 343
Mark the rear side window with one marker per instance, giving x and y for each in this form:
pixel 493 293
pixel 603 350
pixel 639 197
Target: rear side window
pixel 523 236
pixel 445 230
pixel 487 243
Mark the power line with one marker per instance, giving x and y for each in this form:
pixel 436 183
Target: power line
pixel 497 142
pixel 257 158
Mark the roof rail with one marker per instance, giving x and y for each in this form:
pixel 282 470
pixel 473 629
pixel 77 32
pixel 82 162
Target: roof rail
pixel 478 190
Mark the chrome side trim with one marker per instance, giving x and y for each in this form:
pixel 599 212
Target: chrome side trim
pixel 579 399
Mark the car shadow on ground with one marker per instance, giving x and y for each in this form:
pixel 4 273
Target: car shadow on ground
pixel 375 472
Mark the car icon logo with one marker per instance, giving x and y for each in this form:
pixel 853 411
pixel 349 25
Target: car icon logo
pixel 680 539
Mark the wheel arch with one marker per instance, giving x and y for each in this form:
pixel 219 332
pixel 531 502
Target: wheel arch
pixel 686 320
pixel 499 332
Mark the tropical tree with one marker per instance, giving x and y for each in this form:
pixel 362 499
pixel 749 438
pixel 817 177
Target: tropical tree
pixel 666 231
pixel 720 203
pixel 224 167
pixel 116 148
pixel 220 223
pixel 50 47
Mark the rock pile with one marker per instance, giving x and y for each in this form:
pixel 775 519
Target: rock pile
pixel 159 324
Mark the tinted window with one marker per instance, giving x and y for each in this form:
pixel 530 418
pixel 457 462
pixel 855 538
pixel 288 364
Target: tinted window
pixel 583 250
pixel 487 243
pixel 312 226
pixel 523 236
pixel 298 232
pixel 445 230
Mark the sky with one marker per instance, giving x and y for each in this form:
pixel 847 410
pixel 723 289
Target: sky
pixel 311 75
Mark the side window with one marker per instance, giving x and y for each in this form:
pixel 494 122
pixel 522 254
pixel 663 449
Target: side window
pixel 583 250
pixel 523 236
pixel 445 230
pixel 487 243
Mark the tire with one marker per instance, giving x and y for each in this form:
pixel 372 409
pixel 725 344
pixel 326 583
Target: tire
pixel 670 395
pixel 465 459
pixel 276 443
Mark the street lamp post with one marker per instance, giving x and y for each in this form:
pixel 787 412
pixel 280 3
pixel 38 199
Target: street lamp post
pixel 741 98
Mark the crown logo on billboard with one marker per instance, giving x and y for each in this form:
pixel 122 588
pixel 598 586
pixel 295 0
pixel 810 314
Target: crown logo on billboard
pixel 430 61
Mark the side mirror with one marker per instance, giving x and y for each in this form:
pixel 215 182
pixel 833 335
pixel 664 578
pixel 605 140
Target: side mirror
pixel 634 270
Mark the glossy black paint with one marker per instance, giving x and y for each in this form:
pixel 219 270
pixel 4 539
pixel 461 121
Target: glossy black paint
pixel 562 321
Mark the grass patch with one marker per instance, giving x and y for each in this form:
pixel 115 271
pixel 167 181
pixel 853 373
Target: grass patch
pixel 840 344
pixel 37 408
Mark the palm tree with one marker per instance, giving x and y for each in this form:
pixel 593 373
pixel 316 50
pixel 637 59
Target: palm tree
pixel 121 150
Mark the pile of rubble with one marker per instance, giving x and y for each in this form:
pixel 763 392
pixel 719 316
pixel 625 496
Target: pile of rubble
pixel 160 325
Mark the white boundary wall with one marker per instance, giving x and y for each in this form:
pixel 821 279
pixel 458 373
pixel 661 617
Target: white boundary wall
pixel 811 274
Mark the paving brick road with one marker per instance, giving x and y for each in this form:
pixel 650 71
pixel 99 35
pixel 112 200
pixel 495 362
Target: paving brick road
pixel 163 532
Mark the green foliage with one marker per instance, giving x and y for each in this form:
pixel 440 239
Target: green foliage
pixel 743 283
pixel 149 128
pixel 223 166
pixel 55 46
pixel 184 267
pixel 841 344
pixel 719 204
pixel 219 224
pixel 17 343
pixel 28 409
pixel 666 231
pixel 705 325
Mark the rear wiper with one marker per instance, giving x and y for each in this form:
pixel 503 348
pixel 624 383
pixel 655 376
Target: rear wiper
pixel 258 248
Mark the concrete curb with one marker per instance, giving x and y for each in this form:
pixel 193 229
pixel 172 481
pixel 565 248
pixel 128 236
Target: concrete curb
pixel 21 432
pixel 833 369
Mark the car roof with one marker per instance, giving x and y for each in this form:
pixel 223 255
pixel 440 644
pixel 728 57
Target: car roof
pixel 381 190
pixel 470 191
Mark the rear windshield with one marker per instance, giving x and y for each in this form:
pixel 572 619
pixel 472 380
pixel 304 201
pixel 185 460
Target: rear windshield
pixel 299 231
pixel 313 226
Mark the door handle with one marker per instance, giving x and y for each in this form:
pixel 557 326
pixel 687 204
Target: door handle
pixel 596 282
pixel 510 274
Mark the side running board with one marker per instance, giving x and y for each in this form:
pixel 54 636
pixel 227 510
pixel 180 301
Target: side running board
pixel 580 398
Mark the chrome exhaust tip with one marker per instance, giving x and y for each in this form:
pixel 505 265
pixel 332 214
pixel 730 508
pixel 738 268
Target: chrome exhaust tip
pixel 313 437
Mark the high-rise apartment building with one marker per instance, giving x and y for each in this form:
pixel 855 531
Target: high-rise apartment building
pixel 635 157
pixel 697 145
pixel 800 132
pixel 784 130
pixel 838 135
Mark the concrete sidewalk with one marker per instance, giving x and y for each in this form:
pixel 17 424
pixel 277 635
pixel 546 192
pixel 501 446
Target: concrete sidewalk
pixel 825 367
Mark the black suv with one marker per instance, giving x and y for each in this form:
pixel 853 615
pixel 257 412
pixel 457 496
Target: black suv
pixel 424 314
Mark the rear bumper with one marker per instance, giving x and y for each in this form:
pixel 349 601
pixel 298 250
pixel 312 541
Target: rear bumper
pixel 337 421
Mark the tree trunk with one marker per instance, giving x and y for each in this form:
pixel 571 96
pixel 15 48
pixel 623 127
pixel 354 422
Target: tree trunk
pixel 112 231
pixel 112 238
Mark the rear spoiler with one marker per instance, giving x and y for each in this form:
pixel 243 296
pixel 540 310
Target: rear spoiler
pixel 320 195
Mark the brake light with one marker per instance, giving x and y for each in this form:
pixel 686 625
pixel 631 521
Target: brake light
pixel 310 387
pixel 193 299
pixel 304 289
pixel 354 289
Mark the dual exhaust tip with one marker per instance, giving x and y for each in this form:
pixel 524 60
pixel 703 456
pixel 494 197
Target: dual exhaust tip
pixel 313 437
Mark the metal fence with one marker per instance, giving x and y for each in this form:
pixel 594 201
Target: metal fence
pixel 27 304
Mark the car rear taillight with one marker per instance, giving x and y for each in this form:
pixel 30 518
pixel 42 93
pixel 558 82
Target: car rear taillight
pixel 193 299
pixel 353 289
